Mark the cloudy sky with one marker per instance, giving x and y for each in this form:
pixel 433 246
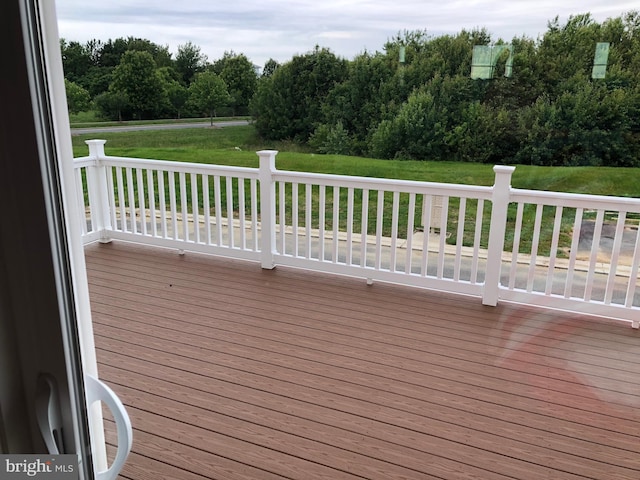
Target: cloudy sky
pixel 279 29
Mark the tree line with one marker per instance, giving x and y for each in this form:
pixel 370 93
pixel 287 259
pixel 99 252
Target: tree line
pixel 134 78
pixel 423 104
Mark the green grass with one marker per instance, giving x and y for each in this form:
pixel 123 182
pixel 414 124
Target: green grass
pixel 238 146
pixel 218 145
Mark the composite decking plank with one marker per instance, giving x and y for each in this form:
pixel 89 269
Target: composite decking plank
pixel 253 454
pixel 526 341
pixel 140 467
pixel 513 390
pixel 414 354
pixel 546 402
pixel 603 453
pixel 471 346
pixel 559 396
pixel 583 368
pixel 156 457
pixel 397 388
pixel 510 467
pixel 409 415
pixel 309 448
pixel 603 330
pixel 553 430
pixel 353 432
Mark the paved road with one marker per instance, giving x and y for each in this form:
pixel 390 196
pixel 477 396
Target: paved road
pixel 157 126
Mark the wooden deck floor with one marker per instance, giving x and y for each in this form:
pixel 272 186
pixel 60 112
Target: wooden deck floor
pixel 232 372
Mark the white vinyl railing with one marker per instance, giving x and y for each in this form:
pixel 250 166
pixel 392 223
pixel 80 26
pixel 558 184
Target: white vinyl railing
pixel 354 225
pixel 440 236
pixel 187 206
pixel 591 267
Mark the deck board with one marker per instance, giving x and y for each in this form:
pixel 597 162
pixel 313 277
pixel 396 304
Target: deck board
pixel 231 371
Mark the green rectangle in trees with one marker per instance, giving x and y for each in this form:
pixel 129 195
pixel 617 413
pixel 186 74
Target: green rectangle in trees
pixel 600 60
pixel 482 62
pixel 485 58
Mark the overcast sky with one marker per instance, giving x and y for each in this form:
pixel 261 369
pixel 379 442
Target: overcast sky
pixel 280 29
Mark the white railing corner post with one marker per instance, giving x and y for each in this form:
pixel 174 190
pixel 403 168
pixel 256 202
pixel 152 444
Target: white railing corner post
pixel 499 208
pixel 98 191
pixel 267 208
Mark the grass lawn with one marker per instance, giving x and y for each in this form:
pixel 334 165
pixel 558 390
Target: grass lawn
pixel 237 146
pixel 218 146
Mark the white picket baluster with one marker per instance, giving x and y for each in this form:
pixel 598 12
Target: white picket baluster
pixel 322 205
pixel 307 220
pixel 336 222
pixel 554 250
pixel 349 246
pixel 230 226
pixel 462 213
pixel 477 239
pixel 364 227
pixel 206 208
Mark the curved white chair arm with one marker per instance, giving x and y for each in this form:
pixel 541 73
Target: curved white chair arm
pixel 98 391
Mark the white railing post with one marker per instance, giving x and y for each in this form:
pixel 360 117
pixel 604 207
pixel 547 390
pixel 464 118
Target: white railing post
pixel 500 204
pixel 267 208
pixel 98 191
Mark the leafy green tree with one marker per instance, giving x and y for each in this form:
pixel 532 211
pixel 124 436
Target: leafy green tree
pixel 414 43
pixel 208 92
pixel 93 48
pixel 97 80
pixel 76 60
pixel 378 85
pixel 113 105
pixel 240 76
pixel 138 78
pixel 484 135
pixel 178 95
pixel 111 53
pixel 189 62
pixel 624 35
pixel 289 103
pixel 427 56
pixel 358 102
pixel 416 132
pixel 331 139
pixel 269 108
pixel 452 54
pixel 270 67
pixel 567 50
pixel 160 53
pixel 589 126
pixel 78 99
pixel 421 128
pixel 522 88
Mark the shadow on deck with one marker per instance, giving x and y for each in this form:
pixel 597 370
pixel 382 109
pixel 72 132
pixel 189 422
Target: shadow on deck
pixel 233 372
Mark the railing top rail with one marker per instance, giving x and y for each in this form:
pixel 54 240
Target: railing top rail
pixel 575 200
pixel 404 186
pixel 174 166
pixel 84 162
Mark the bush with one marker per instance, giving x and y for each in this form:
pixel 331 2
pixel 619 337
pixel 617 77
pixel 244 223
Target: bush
pixel 331 139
